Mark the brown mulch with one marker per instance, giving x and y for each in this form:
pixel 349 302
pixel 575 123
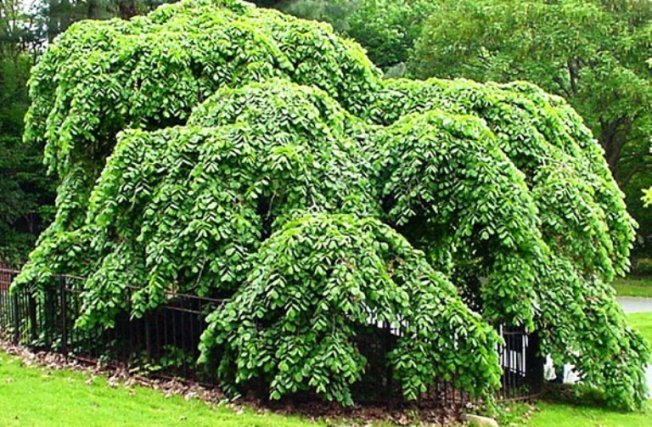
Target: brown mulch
pixel 403 415
pixel 333 414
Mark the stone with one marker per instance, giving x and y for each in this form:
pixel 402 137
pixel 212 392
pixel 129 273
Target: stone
pixel 480 421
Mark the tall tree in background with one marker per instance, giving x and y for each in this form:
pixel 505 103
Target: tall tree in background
pixel 26 192
pixel 387 29
pixel 60 14
pixel 593 53
pixel 336 13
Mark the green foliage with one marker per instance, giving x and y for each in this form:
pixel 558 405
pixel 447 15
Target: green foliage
pixel 336 13
pixel 222 150
pixel 241 180
pixel 543 139
pixel 162 67
pixel 25 190
pixel 26 193
pixel 448 173
pixel 647 193
pixel 322 278
pixel 387 29
pixel 593 53
pixel 552 254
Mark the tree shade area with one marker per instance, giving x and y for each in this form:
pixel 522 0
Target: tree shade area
pixel 222 150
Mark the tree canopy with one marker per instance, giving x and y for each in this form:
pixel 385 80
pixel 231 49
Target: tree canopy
pixel 215 148
pixel 593 53
pixel 26 192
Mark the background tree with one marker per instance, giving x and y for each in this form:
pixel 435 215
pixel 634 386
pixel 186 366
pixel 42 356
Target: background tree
pixel 592 53
pixel 387 29
pixel 336 13
pixel 26 193
pixel 647 193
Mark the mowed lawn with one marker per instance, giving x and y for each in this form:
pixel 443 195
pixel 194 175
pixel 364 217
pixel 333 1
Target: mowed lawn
pixel 567 415
pixel 634 287
pixel 643 323
pixel 37 396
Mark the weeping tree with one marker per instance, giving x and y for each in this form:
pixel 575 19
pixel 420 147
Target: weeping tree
pixel 221 150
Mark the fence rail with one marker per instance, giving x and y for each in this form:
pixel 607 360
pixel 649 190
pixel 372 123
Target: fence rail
pixel 165 341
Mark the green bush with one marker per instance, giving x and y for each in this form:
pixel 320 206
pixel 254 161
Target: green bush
pixel 295 319
pixel 222 150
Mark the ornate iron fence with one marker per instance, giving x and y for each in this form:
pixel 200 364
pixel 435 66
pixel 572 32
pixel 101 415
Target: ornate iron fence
pixel 165 341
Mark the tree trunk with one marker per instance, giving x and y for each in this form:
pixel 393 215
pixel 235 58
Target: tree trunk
pixel 613 138
pixel 93 8
pixel 127 9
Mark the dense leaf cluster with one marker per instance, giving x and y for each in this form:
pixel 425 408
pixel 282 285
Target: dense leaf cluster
pixel 322 278
pixel 218 149
pixel 592 52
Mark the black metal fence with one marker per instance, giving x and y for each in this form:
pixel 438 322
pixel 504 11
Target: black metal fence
pixel 165 341
pixel 522 364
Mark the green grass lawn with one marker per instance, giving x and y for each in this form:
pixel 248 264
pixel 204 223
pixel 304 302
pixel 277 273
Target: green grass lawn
pixel 36 396
pixel 568 415
pixel 642 322
pixel 634 287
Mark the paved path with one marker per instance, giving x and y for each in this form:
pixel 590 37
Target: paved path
pixel 635 304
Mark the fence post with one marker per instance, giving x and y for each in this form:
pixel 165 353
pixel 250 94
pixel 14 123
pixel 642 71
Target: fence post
pixel 16 317
pixel 64 315
pixel 534 363
pixel 31 308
